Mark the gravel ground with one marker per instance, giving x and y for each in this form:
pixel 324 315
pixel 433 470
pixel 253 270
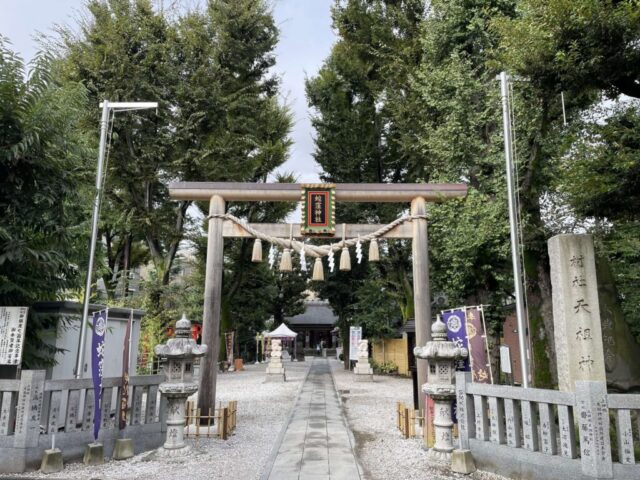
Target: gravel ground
pixel 380 447
pixel 262 410
pixel 370 408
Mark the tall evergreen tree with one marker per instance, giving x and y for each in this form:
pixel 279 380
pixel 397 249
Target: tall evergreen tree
pixel 43 165
pixel 356 133
pixel 219 117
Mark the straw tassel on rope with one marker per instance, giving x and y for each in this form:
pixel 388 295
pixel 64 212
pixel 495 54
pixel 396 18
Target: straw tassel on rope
pixel 318 270
pixel 345 258
pixel 256 256
pixel 374 251
pixel 286 265
pixel 285 261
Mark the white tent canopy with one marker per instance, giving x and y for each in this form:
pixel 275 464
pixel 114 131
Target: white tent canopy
pixel 282 332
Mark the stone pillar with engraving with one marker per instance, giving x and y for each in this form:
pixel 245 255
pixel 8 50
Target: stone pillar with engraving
pixel 363 370
pixel 177 357
pixel 576 311
pixel 275 367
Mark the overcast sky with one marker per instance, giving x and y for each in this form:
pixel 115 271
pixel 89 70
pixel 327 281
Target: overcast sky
pixel 305 41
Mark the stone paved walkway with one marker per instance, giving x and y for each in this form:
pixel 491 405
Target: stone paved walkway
pixel 317 443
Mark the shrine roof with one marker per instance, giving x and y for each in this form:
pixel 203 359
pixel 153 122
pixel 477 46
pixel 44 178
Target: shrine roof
pixel 316 313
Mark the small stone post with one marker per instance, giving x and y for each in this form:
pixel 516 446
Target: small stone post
pixel 441 356
pixel 177 355
pixel 363 370
pixel 275 368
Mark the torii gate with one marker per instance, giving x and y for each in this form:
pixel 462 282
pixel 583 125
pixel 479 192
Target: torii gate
pixel 217 193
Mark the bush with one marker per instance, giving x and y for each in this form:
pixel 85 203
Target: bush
pixel 385 368
pixel 341 357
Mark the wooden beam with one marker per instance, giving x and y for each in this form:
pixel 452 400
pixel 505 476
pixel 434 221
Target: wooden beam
pixel 291 192
pixel 281 230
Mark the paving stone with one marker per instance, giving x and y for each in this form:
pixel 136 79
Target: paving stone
pixel 316 444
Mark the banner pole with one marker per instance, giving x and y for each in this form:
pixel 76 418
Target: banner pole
pixel 486 343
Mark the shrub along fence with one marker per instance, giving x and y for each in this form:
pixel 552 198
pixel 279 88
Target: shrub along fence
pixel 546 434
pixel 34 411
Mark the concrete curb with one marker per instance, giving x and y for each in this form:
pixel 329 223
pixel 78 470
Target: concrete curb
pixel 352 439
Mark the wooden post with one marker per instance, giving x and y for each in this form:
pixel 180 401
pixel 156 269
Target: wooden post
pixel 405 427
pixel 212 301
pixel 421 293
pixel 224 414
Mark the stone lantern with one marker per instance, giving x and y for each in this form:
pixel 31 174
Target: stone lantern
pixel 441 355
pixel 178 355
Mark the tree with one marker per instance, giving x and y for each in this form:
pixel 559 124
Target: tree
pixel 219 117
pixel 356 132
pixel 43 165
pixel 575 46
pixel 588 50
pixel 599 179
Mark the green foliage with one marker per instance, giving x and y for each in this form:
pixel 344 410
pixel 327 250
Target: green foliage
pixel 218 119
pixel 621 246
pixel 356 142
pixel 43 156
pixel 376 309
pixel 575 45
pixel 601 175
pixel 384 368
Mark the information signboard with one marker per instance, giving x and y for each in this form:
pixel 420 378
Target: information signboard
pixel 355 335
pixel 13 323
pixel 505 359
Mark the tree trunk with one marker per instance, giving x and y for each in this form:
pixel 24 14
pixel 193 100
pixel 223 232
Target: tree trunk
pixel 126 265
pixel 344 332
pixel 543 366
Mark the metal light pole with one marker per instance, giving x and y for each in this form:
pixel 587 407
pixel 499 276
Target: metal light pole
pixel 513 224
pixel 104 120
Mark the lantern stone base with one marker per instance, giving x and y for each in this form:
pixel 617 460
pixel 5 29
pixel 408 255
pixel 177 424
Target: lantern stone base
pixel 123 449
pixel 462 462
pixel 438 456
pixel 363 371
pixel 276 376
pixel 93 454
pixel 52 461
pixel 173 452
pixel 276 371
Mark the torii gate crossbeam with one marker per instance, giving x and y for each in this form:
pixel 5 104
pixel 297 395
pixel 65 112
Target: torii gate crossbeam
pixel 218 193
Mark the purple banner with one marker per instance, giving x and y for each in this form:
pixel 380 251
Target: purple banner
pixel 97 363
pixel 457 333
pixel 477 347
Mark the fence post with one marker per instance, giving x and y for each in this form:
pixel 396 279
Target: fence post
pixel 465 412
pixel 225 422
pixel 593 423
pixel 29 409
pixel 406 423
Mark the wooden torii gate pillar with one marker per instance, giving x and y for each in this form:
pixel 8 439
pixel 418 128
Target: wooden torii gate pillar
pixel 217 193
